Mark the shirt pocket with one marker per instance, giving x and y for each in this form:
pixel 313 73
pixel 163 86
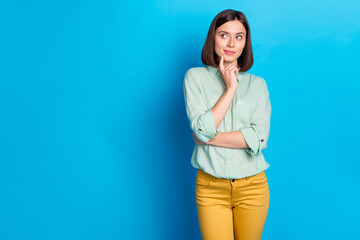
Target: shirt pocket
pixel 243 113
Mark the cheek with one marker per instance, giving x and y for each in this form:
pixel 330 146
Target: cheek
pixel 241 47
pixel 219 43
pixel 218 48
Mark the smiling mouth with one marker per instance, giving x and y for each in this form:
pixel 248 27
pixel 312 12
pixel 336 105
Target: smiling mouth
pixel 229 52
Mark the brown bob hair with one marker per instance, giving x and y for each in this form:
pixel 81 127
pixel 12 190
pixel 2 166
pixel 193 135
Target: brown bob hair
pixel 208 55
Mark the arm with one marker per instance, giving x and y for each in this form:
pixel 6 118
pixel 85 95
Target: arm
pixel 201 118
pixel 203 121
pixel 229 140
pixel 255 137
pixel 257 134
pixel 221 107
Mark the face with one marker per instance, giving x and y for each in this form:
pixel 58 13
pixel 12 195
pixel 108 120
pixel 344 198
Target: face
pixel 230 41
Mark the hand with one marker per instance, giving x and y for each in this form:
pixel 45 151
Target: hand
pixel 228 74
pixel 197 141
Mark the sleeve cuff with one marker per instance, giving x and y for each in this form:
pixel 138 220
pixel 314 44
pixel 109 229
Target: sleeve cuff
pixel 252 140
pixel 206 129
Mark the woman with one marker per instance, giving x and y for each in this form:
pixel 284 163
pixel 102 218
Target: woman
pixel 229 112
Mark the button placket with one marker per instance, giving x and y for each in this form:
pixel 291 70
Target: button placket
pixel 228 153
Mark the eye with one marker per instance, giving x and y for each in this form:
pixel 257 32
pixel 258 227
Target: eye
pixel 239 36
pixel 222 34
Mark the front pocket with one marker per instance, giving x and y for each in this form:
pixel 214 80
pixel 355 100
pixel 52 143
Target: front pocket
pixel 258 178
pixel 201 179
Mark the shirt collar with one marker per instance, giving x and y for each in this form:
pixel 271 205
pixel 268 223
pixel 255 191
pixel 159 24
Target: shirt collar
pixel 215 71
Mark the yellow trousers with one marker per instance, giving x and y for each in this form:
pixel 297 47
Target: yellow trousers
pixel 231 209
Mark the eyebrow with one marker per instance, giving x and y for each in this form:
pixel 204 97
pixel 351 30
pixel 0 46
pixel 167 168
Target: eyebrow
pixel 236 33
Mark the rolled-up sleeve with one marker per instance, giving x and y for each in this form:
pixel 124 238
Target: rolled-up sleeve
pixel 201 118
pixel 257 134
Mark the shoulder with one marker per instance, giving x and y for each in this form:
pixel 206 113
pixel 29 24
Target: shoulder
pixel 196 70
pixel 257 80
pixel 196 73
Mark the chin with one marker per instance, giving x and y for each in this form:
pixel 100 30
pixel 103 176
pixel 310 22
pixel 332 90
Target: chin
pixel 229 58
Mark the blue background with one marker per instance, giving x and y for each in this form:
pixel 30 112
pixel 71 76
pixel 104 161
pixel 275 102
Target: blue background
pixel 95 141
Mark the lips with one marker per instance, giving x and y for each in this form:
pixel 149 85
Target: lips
pixel 229 52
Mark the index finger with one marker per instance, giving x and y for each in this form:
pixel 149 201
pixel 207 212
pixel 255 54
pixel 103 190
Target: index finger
pixel 221 63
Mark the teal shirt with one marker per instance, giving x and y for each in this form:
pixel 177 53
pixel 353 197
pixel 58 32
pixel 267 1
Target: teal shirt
pixel 249 112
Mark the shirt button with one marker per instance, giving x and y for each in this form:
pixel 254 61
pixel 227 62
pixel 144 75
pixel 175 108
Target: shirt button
pixel 228 127
pixel 262 140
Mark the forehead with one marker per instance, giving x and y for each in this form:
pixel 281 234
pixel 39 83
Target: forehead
pixel 234 27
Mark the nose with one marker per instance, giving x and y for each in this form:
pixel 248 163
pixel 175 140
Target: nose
pixel 231 42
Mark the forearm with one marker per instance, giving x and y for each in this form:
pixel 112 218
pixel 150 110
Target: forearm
pixel 229 140
pixel 220 109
